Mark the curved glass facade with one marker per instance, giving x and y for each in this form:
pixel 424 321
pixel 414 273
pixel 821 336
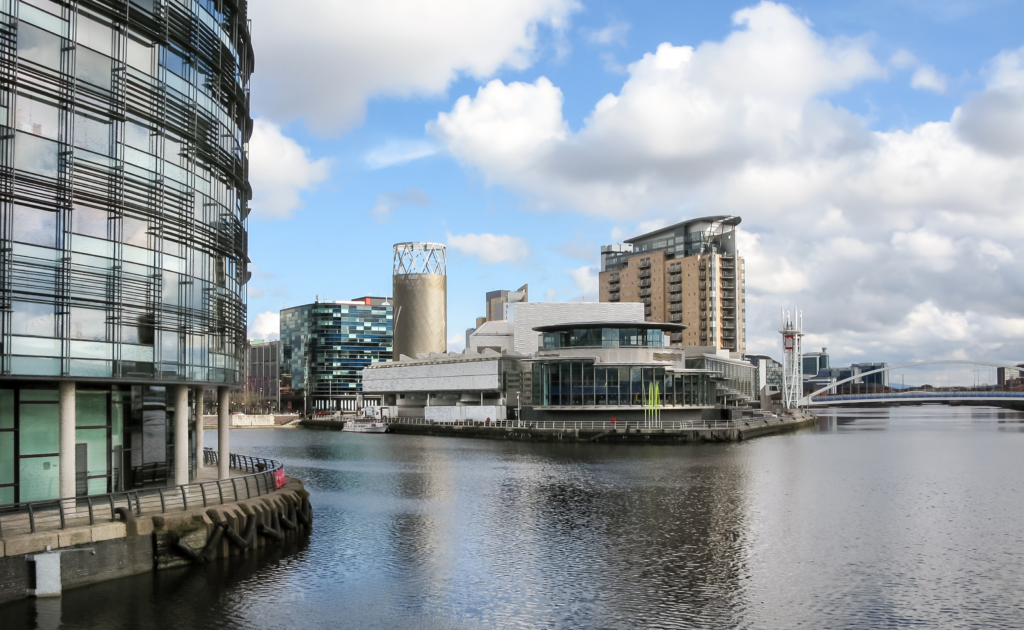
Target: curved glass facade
pixel 593 337
pixel 123 194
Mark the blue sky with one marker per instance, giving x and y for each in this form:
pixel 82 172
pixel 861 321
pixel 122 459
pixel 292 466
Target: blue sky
pixel 865 202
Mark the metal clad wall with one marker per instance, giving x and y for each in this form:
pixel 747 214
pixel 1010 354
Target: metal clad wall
pixel 433 377
pixel 420 305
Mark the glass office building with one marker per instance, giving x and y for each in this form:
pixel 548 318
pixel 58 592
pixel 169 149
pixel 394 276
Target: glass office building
pixel 123 204
pixel 324 348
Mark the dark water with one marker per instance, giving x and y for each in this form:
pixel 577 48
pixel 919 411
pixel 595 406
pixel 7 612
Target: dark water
pixel 882 518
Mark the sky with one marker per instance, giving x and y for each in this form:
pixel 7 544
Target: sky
pixel 874 150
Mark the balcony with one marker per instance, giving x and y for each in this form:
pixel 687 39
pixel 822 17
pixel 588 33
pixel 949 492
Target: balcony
pixel 645 293
pixel 675 277
pixel 613 297
pixel 703 306
pixel 644 264
pixel 703 275
pixel 703 286
pixel 646 301
pixel 728 285
pixel 703 325
pixel 644 273
pixel 675 297
pixel 675 288
pixel 703 295
pixel 675 308
pixel 613 280
pixel 728 295
pixel 702 265
pixel 703 315
pixel 645 283
pixel 675 318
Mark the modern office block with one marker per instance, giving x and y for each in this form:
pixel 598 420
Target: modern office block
pixel 420 286
pixel 324 348
pixel 123 243
pixel 688 273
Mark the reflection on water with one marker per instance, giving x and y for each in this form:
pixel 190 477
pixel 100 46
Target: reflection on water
pixel 877 518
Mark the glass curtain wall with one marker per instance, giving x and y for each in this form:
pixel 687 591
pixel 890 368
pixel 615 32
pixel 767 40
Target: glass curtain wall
pixel 582 383
pixel 124 200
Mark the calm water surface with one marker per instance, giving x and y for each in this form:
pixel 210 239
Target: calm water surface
pixel 878 518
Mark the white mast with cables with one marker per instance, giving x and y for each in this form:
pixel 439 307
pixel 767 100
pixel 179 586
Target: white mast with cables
pixel 793 358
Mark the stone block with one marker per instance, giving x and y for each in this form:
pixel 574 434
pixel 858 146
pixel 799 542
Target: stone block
pixel 74 536
pixel 108 531
pixel 30 543
pixel 143 526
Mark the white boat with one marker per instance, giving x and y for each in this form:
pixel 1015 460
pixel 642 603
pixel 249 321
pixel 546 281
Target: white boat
pixel 365 425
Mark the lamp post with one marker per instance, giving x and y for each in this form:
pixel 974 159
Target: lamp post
pixel 519 411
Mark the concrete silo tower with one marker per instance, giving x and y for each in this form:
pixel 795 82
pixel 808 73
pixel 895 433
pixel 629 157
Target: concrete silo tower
pixel 420 303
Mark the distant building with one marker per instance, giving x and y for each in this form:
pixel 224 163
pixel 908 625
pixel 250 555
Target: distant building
pixel 769 376
pixel 815 362
pixel 498 300
pixel 688 273
pixel 262 373
pixel 324 348
pixel 1004 375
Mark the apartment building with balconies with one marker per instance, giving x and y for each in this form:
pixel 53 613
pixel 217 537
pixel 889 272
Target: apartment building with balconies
pixel 689 273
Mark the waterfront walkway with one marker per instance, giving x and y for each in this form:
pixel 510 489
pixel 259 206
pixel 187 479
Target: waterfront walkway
pixel 251 477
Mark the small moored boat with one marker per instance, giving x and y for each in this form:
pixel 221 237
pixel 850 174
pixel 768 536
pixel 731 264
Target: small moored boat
pixel 365 425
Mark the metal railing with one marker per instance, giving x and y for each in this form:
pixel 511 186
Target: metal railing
pixel 600 425
pixel 976 395
pixel 59 514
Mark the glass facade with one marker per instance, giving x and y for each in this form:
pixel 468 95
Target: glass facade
pixel 324 348
pixel 123 238
pixel 592 337
pixel 735 381
pixel 584 383
pixel 124 192
pixel 123 440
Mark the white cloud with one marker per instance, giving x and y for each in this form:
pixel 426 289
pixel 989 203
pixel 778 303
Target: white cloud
pixel 280 169
pixel 585 279
pixel 928 78
pixel 395 152
pixel 322 59
pixel 614 33
pixel 858 227
pixel 903 59
pixel 491 249
pixel 266 326
pixel 993 121
pixel 388 202
pixel 457 342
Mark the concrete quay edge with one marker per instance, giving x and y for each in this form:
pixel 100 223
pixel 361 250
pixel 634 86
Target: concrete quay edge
pixel 613 436
pixel 143 544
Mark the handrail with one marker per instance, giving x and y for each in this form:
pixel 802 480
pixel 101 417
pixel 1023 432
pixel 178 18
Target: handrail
pixel 825 398
pixel 58 514
pixel 603 425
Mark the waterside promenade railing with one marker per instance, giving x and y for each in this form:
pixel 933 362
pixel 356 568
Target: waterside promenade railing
pixel 600 425
pixel 58 514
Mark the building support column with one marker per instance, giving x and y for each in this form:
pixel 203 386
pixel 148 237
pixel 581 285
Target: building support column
pixel 67 440
pixel 223 427
pixel 181 435
pixel 197 394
